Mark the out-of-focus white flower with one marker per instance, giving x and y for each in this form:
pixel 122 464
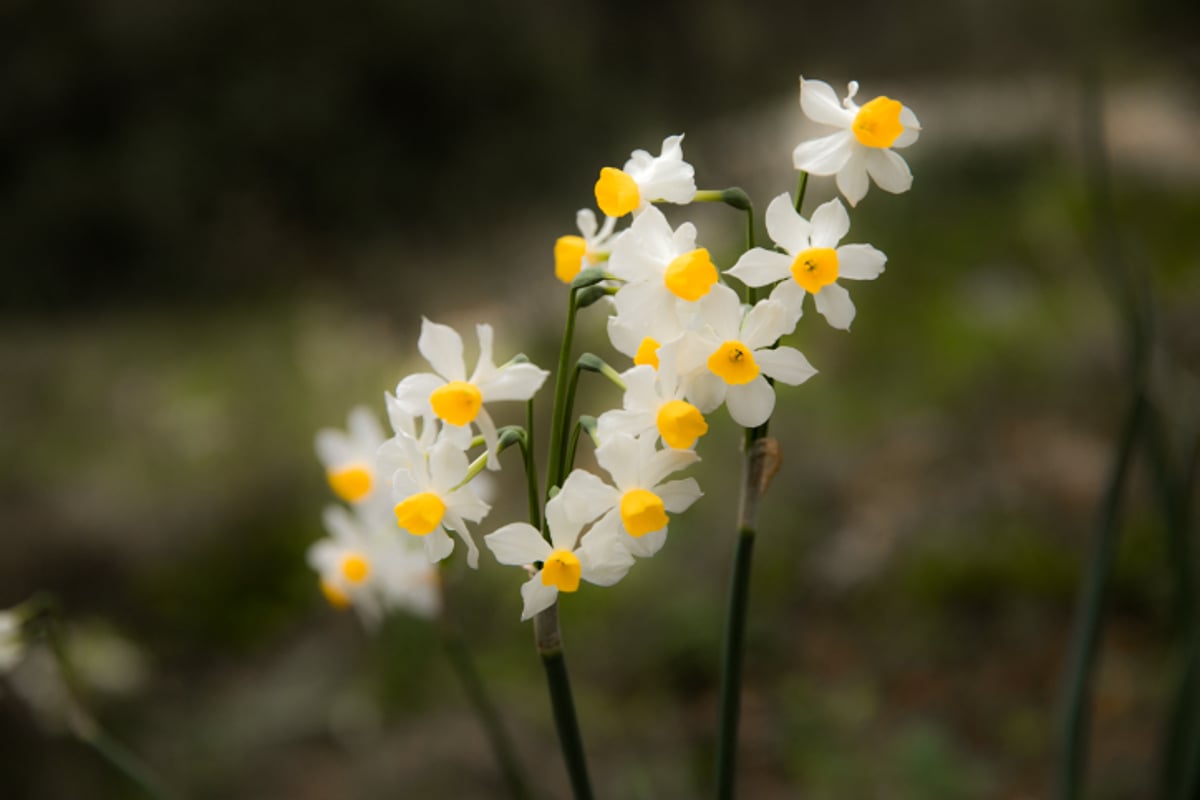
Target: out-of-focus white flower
pixel 349 456
pixel 863 144
pixel 558 565
pixel 367 564
pixel 654 401
pixel 647 179
pixel 735 353
pixel 575 253
pixel 640 499
pixel 812 261
pixel 457 400
pixel 12 641
pixel 428 499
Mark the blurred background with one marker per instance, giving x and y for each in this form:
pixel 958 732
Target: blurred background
pixel 221 223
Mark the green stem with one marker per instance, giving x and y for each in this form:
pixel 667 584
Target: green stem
pixel 506 756
pixel 801 188
pixel 531 476
pixel 762 461
pixel 584 423
pixel 1086 638
pixel 556 450
pixel 549 646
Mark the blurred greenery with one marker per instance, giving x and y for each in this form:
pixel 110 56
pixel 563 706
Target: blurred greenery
pixel 221 224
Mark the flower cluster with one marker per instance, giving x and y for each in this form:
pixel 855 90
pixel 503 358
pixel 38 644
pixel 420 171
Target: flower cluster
pixel 695 344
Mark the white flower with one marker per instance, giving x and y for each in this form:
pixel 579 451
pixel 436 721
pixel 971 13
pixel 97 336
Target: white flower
pixel 640 499
pixel 575 253
pixel 734 354
pixel 457 400
pixel 558 565
pixel 366 563
pixel 12 643
pixel 812 261
pixel 663 270
pixel 428 499
pixel 862 145
pixel 647 179
pixel 654 401
pixel 349 457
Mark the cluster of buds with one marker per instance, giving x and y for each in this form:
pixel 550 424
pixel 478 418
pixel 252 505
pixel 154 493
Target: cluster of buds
pixel 695 345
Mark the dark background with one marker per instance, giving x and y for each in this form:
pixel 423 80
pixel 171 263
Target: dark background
pixel 221 223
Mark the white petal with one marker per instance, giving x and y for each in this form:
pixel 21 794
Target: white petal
pixel 564 529
pixel 603 557
pixel 587 496
pixel 585 220
pixel 787 228
pixel 332 448
pixel 485 366
pixel 364 428
pixel 447 465
pixel 766 322
pixel 721 308
pixel 785 364
pixel 640 390
pixel 663 463
pixel 835 305
pixel 706 391
pixel 491 440
pixel 513 382
pixel 751 404
pixel 517 543
pixel 443 349
pixel 889 171
pixel 413 392
pixel 852 179
pixel 618 420
pixel 791 295
pixel 538 597
pixel 824 156
pixel 460 529
pixel 678 496
pixel 466 503
pixel 758 267
pixel 912 128
pixel 619 456
pixel 830 223
pixel 437 545
pixel 646 545
pixel 820 104
pixel 860 262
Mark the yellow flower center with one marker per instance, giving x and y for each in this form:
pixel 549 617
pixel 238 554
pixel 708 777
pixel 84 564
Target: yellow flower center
pixel 647 352
pixel 691 275
pixel 569 252
pixel 355 568
pixel 421 513
pixel 733 363
pixel 616 193
pixel 561 569
pixel 680 424
pixel 458 402
pixel 336 597
pixel 815 267
pixel 877 124
pixel 642 512
pixel 351 483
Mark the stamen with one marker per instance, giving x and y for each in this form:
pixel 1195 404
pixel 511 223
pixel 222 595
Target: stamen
pixel 562 570
pixel 336 597
pixel 569 252
pixel 647 352
pixel 691 275
pixel 351 482
pixel 355 568
pixel 680 424
pixel 877 124
pixel 734 363
pixel 643 512
pixel 616 193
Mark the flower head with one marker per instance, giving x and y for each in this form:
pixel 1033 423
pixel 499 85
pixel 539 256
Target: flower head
pixel 862 145
pixel 647 179
pixel 349 456
pixel 734 356
pixel 458 401
pixel 569 557
pixel 654 401
pixel 811 262
pixel 575 253
pixel 431 496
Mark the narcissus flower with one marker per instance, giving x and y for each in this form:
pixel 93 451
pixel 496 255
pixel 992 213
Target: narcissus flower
pixel 560 564
pixel 364 564
pixel 812 261
pixel 640 499
pixel 448 394
pixel 735 356
pixel 863 144
pixel 575 253
pixel 428 499
pixel 654 402
pixel 349 457
pixel 647 179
